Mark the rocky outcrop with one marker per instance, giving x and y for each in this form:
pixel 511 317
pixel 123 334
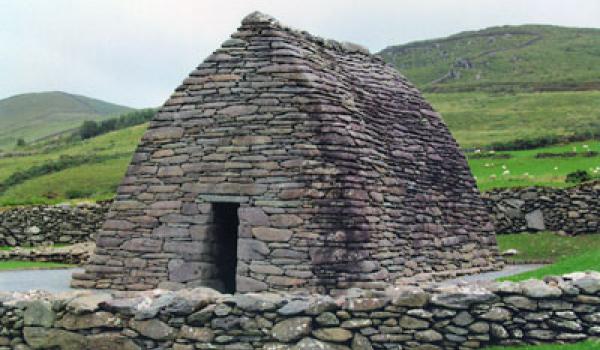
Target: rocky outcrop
pixel 573 210
pixel 561 309
pixel 47 224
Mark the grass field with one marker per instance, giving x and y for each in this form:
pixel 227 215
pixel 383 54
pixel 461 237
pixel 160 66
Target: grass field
pixel 94 181
pixel 525 57
pixel 586 345
pixel 37 115
pixel 477 119
pixel 524 169
pixel 28 265
pixel 569 254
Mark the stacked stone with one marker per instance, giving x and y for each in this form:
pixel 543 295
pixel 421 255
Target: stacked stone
pixel 76 254
pixel 49 224
pixel 344 175
pixel 562 309
pixel 574 210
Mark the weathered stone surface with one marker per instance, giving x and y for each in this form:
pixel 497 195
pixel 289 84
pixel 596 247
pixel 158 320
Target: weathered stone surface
pixel 311 344
pixel 292 329
pixel 535 220
pixel 91 320
pixel 153 329
pixel 111 341
pixel 335 334
pixel 204 335
pixel 269 234
pixel 539 289
pixel 48 338
pixel 39 313
pixel 164 133
pixel 408 296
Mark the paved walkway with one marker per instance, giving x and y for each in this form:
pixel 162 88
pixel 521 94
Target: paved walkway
pixel 55 280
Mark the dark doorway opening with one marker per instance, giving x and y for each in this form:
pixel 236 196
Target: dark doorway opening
pixel 226 234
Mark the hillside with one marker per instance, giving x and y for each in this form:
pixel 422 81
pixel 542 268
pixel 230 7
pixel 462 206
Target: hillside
pixel 507 58
pixel 37 115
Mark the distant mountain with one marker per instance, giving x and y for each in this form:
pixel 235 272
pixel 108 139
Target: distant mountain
pixel 507 58
pixel 37 115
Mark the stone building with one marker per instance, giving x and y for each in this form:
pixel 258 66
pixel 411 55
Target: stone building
pixel 287 161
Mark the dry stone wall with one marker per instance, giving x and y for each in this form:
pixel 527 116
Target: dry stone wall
pixel 574 210
pixel 560 309
pixel 341 173
pixel 75 254
pixel 44 225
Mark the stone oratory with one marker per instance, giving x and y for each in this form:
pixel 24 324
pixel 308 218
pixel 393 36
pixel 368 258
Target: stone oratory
pixel 286 161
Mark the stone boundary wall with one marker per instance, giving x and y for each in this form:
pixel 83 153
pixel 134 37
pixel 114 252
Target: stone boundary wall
pixel 76 254
pixel 573 210
pixel 560 309
pixel 43 224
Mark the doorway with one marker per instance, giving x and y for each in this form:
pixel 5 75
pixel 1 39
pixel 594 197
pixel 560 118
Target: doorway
pixel 226 223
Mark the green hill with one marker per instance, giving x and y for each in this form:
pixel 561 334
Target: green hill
pixel 37 115
pixel 507 58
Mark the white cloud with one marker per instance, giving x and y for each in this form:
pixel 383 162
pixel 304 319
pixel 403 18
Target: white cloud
pixel 135 52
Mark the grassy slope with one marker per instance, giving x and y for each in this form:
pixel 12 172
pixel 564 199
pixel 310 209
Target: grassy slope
pixel 526 170
pixel 477 119
pixel 36 115
pixel 25 265
pixel 526 57
pixel 520 59
pixel 97 181
pixel 586 345
pixel 569 254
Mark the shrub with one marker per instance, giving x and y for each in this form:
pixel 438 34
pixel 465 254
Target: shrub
pixel 90 129
pixel 578 176
pixel 78 193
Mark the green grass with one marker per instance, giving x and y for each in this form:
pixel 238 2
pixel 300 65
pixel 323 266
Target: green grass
pixel 526 170
pixel 523 58
pixel 569 254
pixel 547 245
pixel 586 345
pixel 95 181
pixel 29 265
pixel 477 119
pixel 38 115
pixel 55 245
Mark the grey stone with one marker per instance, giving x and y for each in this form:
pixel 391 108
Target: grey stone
pixel 153 329
pixel 538 289
pixel 334 334
pixel 292 329
pixel 39 313
pixel 535 220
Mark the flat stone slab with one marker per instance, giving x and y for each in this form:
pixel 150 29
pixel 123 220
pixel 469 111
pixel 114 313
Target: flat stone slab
pixel 54 280
pixel 508 270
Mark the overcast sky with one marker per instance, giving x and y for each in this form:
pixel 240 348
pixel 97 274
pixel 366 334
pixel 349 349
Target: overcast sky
pixel 135 52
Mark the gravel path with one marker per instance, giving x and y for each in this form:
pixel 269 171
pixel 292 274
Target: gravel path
pixel 509 270
pixel 58 280
pixel 55 280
